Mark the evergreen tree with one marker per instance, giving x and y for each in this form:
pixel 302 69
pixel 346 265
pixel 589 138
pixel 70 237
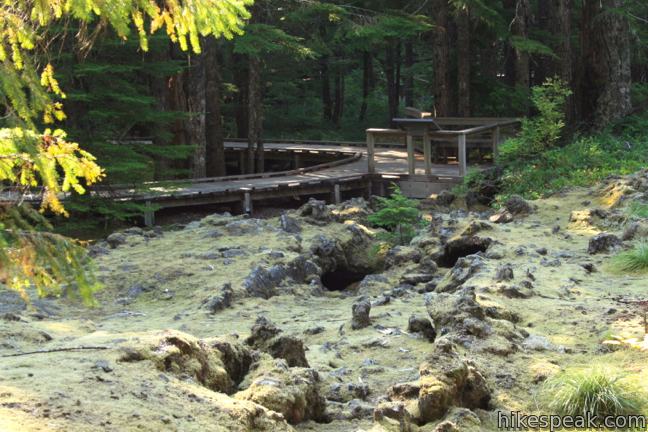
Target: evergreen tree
pixel 31 95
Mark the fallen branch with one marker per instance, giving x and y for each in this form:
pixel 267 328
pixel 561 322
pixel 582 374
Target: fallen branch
pixel 81 348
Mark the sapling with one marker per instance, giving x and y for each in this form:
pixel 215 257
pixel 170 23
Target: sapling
pixel 398 215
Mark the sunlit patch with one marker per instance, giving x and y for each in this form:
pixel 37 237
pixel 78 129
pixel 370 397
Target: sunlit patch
pixel 633 343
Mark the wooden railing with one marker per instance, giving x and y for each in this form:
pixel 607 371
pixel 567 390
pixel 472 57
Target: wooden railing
pixel 484 130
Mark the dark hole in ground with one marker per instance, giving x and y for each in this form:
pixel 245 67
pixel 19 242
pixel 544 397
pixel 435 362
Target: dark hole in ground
pixel 460 248
pixel 339 280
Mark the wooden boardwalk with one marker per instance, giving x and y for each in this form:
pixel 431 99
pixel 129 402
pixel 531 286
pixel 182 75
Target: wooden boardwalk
pixel 349 173
pixel 349 176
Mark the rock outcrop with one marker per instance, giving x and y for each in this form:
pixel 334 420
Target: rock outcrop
pixel 267 337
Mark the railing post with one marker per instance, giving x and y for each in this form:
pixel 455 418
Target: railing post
pixel 371 144
pixel 411 160
pixel 427 153
pixel 247 203
pixel 461 155
pixel 337 195
pixel 149 215
pixel 297 157
pixel 496 141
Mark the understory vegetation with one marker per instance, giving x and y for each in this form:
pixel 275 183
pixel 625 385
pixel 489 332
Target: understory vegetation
pixel 632 261
pixel 544 158
pixel 397 214
pixel 600 391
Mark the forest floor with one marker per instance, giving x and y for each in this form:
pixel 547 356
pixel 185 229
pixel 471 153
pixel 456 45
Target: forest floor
pixel 171 345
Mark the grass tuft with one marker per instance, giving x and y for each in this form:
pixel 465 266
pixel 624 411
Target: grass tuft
pixel 638 210
pixel 632 261
pixel 599 391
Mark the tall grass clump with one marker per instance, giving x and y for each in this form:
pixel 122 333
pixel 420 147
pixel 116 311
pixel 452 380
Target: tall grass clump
pixel 599 391
pixel 632 261
pixel 638 210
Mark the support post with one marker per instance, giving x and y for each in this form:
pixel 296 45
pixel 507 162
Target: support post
pixel 371 144
pixel 461 155
pixel 149 215
pixel 427 153
pixel 247 203
pixel 298 158
pixel 411 160
pixel 337 194
pixel 496 141
pixel 242 162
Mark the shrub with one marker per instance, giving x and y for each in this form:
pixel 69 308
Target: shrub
pixel 397 214
pixel 633 261
pixel 534 165
pixel 543 131
pixel 599 391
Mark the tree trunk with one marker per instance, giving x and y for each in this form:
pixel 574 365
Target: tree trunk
pixel 520 29
pixel 163 89
pixel 241 80
pixel 397 83
pixel 605 67
pixel 409 80
pixel 196 109
pixel 325 77
pixel 391 75
pixel 463 62
pixel 338 107
pixel 366 83
pixel 562 67
pixel 215 152
pixel 541 65
pixel 441 59
pixel 255 115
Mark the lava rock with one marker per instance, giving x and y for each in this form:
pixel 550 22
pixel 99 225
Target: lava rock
pixel 454 310
pixel 289 224
pixel 116 239
pixel 402 254
pixel 635 230
pixel 260 283
pixel 416 278
pixel 604 242
pixel 447 380
pixel 316 210
pixel 445 198
pixel 220 301
pixel 97 250
pixel 504 273
pixel 293 392
pixel 266 336
pixel 394 414
pixel 501 217
pixel 348 391
pixel 464 269
pixel 360 314
pixel 517 292
pixel 517 205
pixel 246 227
pixel 423 326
